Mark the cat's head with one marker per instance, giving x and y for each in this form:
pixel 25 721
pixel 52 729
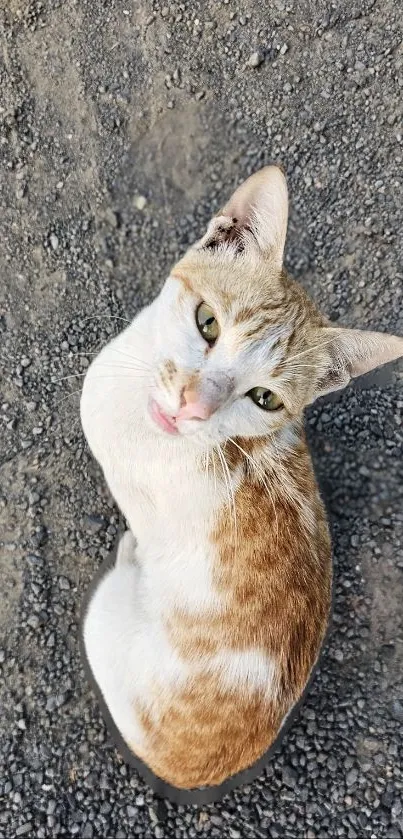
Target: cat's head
pixel 240 349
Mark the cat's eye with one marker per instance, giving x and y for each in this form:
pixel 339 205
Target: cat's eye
pixel 207 323
pixel 265 399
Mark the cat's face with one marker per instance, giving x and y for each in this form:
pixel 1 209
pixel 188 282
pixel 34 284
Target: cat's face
pixel 239 349
pixel 225 360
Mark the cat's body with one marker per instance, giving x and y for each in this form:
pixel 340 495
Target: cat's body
pixel 203 635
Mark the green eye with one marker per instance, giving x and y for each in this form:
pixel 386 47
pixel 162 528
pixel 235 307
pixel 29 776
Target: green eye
pixel 207 323
pixel 265 399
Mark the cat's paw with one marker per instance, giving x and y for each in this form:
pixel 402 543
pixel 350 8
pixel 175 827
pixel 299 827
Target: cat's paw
pixel 127 549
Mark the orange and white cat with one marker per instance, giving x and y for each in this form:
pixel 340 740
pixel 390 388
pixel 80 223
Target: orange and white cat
pixel 204 633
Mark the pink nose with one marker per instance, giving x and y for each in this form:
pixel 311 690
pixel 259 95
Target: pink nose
pixel 193 407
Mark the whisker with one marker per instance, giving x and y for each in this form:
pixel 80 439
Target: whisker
pixel 121 366
pixel 133 357
pixel 138 373
pixel 206 463
pixel 142 361
pixel 72 354
pixel 215 477
pixel 296 499
pixel 308 350
pixel 70 376
pixel 261 475
pixel 219 452
pixel 135 377
pixel 231 499
pixel 294 496
pixel 73 393
pixel 231 486
pixel 298 366
pixel 105 315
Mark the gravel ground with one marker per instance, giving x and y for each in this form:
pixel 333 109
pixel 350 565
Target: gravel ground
pixel 123 125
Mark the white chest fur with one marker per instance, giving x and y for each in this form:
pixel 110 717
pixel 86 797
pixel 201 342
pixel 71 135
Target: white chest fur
pixel 167 497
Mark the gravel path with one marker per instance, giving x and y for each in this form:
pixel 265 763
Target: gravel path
pixel 123 125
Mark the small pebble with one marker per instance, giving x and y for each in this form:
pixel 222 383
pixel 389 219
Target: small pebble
pixel 64 583
pixel 24 829
pixel 140 202
pixel 256 59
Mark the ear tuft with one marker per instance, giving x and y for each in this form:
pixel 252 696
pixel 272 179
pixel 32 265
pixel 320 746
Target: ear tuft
pixel 224 230
pixel 255 217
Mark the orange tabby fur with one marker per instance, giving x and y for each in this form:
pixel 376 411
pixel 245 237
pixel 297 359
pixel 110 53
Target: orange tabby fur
pixel 276 576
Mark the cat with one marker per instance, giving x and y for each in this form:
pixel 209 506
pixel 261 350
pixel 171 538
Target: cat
pixel 203 634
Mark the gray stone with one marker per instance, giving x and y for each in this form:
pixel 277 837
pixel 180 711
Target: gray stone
pixel 256 59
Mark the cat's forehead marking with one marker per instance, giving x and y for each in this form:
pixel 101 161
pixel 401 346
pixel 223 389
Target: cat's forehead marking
pixel 266 341
pixel 260 327
pixel 267 310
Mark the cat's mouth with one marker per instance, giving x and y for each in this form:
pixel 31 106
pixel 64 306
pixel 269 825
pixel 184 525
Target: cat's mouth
pixel 176 424
pixel 164 421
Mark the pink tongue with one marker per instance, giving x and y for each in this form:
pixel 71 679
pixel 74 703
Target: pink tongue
pixel 164 422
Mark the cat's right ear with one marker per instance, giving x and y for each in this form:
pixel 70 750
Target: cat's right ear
pixel 255 217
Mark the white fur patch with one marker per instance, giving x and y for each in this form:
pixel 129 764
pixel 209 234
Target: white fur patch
pixel 251 669
pixel 128 650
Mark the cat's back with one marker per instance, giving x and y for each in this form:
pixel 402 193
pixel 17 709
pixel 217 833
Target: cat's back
pixel 247 655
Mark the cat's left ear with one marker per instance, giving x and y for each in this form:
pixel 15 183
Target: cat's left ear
pixel 344 354
pixel 255 217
